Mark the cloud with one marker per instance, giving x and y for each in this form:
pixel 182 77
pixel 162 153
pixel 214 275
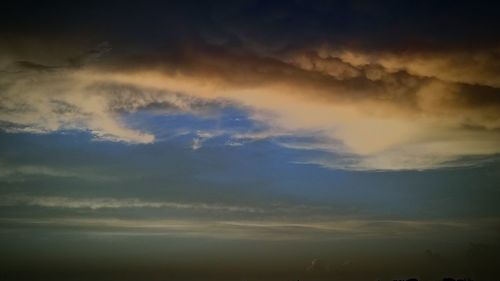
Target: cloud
pixel 108 203
pixel 201 137
pixel 113 203
pixel 10 172
pixel 268 229
pixel 392 120
pixel 43 102
pixel 47 102
pixel 366 112
pixel 458 66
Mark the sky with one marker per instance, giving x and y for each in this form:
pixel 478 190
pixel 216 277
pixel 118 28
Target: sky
pixel 249 140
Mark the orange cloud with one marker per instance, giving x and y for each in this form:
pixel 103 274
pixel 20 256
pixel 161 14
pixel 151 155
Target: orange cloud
pixel 388 118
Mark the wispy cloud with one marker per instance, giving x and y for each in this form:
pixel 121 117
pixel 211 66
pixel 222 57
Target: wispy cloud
pixel 114 203
pixel 202 136
pixel 20 172
pixel 8 171
pixel 339 228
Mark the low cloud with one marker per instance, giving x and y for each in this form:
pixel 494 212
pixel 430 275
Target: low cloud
pixel 113 203
pixel 10 172
pixel 269 229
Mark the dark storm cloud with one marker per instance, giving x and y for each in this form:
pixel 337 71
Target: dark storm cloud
pixel 278 25
pixel 333 79
pixel 251 29
pixel 271 25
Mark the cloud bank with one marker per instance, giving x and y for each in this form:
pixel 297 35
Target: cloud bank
pixel 381 96
pixel 334 229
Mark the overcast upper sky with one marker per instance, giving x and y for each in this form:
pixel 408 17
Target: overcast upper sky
pixel 249 140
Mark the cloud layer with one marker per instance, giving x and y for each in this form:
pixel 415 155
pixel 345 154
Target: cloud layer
pixel 333 229
pixel 113 203
pixel 377 96
pixel 379 108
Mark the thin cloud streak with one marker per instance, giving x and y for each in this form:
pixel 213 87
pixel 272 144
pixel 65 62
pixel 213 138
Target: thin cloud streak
pixel 10 172
pixel 114 203
pixel 333 229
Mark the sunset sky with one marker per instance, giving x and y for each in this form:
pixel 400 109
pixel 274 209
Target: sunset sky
pixel 249 140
